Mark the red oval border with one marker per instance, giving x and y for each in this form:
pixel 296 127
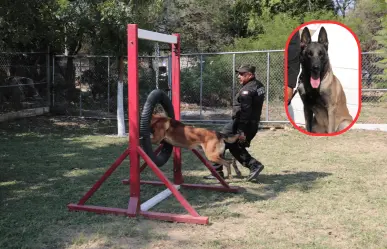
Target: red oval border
pixel 286 78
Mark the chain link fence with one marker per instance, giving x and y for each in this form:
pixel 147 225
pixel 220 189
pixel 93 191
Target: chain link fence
pixel 24 81
pixel 374 90
pixel 209 82
pixel 86 86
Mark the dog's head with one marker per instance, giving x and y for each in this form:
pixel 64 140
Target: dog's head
pixel 314 56
pixel 159 123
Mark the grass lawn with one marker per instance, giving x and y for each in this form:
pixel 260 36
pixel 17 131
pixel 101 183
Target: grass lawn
pixel 373 113
pixel 315 192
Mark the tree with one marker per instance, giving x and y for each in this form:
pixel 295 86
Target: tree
pixel 274 30
pixel 298 8
pixel 274 34
pixel 365 21
pixel 241 15
pixel 381 39
pixel 110 36
pixel 26 25
pixel 343 6
pixel 202 24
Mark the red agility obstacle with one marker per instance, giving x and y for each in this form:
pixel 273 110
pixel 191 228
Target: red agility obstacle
pixel 135 151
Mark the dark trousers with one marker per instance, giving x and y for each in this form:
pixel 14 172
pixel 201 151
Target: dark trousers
pixel 237 150
pixel 293 60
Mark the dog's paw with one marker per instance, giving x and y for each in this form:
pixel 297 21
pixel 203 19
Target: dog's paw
pixel 239 176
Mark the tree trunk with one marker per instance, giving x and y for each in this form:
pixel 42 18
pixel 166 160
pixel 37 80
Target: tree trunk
pixel 120 99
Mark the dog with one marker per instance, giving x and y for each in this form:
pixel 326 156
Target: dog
pixel 325 104
pixel 236 169
pixel 180 135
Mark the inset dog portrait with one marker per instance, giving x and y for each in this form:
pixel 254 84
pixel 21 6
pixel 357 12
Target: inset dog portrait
pixel 326 99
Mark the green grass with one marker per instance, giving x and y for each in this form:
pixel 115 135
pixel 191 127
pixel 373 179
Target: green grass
pixel 315 192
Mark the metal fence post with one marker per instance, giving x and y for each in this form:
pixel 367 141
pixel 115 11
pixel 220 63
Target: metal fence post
pixel 80 89
pixel 372 90
pixel 53 80
pixel 267 85
pixel 201 86
pixel 233 79
pixel 48 78
pixel 169 76
pixel 108 72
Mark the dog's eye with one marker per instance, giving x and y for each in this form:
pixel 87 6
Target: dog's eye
pixel 321 54
pixel 310 54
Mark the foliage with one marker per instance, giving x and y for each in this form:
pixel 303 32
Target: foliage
pixel 241 14
pixel 275 29
pixel 298 8
pixel 217 77
pixel 381 39
pixel 343 6
pixel 278 26
pixel 365 21
pixel 220 81
pixel 27 25
pixel 202 24
pixel 110 35
pixel 99 27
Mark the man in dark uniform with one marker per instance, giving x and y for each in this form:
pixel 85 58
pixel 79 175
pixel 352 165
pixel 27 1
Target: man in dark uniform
pixel 293 64
pixel 247 109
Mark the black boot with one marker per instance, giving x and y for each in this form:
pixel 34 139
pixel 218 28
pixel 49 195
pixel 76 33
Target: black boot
pixel 255 169
pixel 210 177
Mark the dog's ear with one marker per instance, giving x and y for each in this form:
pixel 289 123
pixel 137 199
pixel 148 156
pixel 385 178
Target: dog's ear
pixel 305 38
pixel 323 38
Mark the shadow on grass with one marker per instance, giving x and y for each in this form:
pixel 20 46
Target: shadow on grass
pixel 268 187
pixel 280 182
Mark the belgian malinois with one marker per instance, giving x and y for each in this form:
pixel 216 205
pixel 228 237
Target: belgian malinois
pixel 325 104
pixel 180 135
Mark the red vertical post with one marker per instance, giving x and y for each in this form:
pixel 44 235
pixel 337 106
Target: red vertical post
pixel 177 175
pixel 133 114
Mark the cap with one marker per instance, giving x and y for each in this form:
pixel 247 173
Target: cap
pixel 246 68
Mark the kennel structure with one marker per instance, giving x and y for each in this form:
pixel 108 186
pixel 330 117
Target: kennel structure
pixel 135 150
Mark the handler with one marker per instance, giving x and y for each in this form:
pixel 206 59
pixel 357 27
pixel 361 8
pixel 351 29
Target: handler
pixel 247 109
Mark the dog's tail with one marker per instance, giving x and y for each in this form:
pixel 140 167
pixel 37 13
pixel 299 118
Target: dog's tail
pixel 229 138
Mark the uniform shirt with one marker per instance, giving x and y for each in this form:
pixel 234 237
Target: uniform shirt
pixel 247 104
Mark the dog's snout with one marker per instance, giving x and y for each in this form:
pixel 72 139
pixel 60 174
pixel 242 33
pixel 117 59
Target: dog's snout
pixel 315 67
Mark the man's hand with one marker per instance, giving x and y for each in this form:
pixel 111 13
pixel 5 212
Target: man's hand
pixel 242 136
pixel 290 94
pixel 242 140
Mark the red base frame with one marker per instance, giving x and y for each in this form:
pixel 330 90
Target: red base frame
pixel 132 209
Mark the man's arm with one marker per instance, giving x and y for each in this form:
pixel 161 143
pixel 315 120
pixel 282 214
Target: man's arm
pixel 293 64
pixel 245 99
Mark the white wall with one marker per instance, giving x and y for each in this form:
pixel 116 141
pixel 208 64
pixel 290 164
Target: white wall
pixel 344 57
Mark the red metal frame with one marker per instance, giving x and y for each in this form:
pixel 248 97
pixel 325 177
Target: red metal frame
pixel 134 151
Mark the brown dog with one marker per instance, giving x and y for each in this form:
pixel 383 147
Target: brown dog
pixel 325 105
pixel 235 166
pixel 180 135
